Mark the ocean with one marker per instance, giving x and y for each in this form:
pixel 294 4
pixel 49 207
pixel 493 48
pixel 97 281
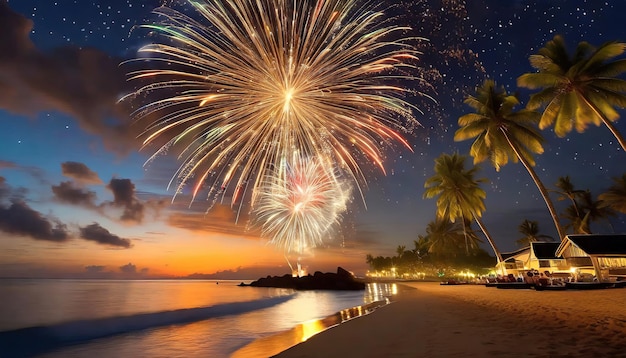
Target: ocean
pixel 167 318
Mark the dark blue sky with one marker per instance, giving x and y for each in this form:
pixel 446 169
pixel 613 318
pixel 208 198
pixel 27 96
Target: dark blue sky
pixel 51 113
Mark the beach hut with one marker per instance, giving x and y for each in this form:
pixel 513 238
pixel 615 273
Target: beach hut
pixel 601 255
pixel 542 257
pixel 513 262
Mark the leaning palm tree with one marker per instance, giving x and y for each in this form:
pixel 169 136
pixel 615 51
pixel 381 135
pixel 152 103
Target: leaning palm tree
pixel 459 195
pixel 615 196
pixel 530 230
pixel 502 134
pixel 566 190
pixel 578 89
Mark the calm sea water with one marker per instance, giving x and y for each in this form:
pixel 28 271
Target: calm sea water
pixel 161 318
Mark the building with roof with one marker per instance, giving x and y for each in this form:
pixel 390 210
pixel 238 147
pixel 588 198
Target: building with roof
pixel 601 255
pixel 540 256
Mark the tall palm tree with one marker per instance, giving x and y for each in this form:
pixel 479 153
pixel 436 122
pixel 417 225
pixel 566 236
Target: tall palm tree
pixel 530 230
pixel 579 89
pixel 459 195
pixel 566 189
pixel 615 196
pixel 501 133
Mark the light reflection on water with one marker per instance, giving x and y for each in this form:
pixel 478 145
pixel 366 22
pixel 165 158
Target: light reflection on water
pixel 258 333
pixel 375 295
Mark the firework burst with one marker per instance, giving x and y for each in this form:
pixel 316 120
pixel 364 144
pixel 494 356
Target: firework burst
pixel 301 203
pixel 250 81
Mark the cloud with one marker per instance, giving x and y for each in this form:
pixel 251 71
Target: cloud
pixel 20 219
pixel 131 270
pixel 123 191
pixel 221 218
pixel 36 173
pixel 133 210
pixel 124 197
pixel 128 268
pixel 4 188
pixel 94 268
pixel 67 192
pixel 82 82
pixel 6 164
pixel 97 233
pixel 80 172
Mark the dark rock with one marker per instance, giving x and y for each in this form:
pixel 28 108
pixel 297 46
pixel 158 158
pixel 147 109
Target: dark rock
pixel 342 280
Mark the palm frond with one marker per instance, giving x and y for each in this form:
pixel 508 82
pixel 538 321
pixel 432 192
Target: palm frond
pixel 604 106
pixel 479 149
pixel 539 80
pixel 469 131
pixel 616 85
pixel 565 118
pixel 610 69
pixel 470 118
pixel 550 113
pixel 604 53
pixel 539 99
pixel 525 117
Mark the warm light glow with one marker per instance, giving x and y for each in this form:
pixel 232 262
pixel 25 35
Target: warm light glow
pixel 308 76
pixel 288 97
pixel 311 328
pixel 301 204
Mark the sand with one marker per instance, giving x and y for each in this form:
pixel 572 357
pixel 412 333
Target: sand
pixel 430 320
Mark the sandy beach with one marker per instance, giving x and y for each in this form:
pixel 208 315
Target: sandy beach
pixel 430 320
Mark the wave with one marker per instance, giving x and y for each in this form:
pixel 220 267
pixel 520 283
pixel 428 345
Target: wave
pixel 25 342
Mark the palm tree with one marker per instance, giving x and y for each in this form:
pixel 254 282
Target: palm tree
pixel 588 211
pixel 444 237
pixel 400 250
pixel 593 211
pixel 578 89
pixel 615 196
pixel 530 230
pixel 502 133
pixel 459 194
pixel 567 191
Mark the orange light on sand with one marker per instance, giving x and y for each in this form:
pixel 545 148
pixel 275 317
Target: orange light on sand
pixel 311 328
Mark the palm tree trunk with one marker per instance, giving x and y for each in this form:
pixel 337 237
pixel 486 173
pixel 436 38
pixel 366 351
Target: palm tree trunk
pixel 465 236
pixel 489 239
pixel 608 123
pixel 540 186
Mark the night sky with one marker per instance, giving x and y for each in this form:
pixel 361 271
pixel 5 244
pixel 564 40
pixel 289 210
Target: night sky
pixel 77 201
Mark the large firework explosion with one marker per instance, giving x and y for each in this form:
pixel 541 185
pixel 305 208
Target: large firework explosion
pixel 248 82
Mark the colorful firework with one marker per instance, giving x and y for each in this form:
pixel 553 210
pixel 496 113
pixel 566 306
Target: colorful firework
pixel 301 203
pixel 251 81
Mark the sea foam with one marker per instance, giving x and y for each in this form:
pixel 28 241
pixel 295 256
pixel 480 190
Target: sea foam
pixel 34 340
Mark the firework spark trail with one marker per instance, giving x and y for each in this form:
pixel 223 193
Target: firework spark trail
pixel 251 81
pixel 301 203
